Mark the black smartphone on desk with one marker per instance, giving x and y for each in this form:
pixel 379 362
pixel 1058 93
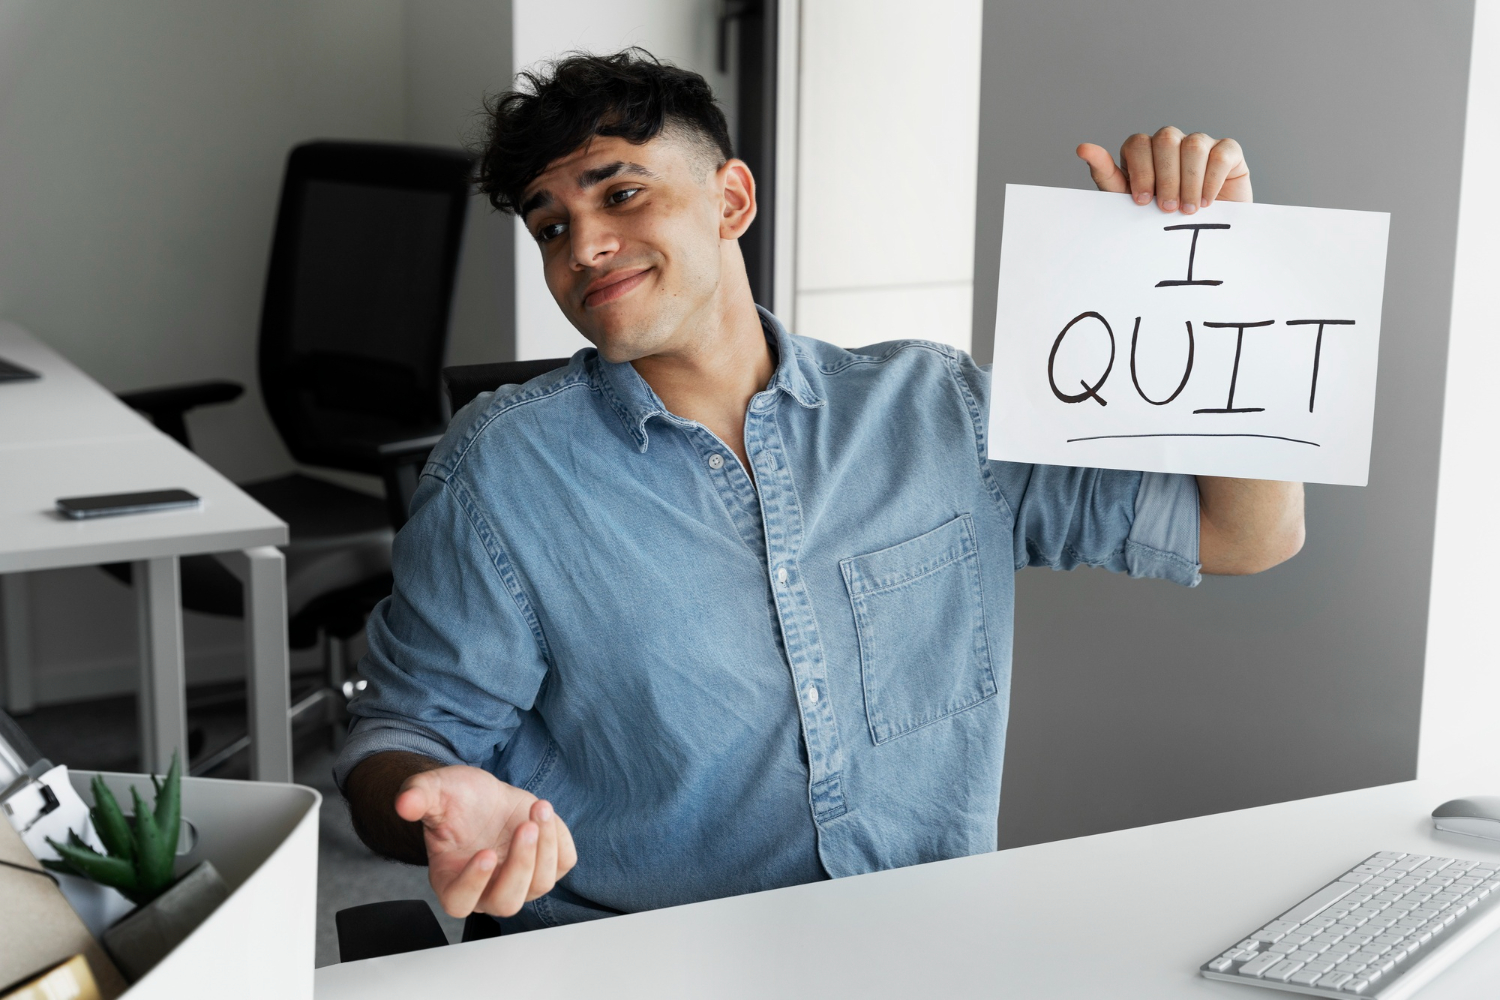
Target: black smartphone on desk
pixel 111 504
pixel 11 372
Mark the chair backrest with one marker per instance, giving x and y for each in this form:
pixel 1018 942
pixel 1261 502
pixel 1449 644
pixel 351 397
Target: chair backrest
pixel 464 382
pixel 355 318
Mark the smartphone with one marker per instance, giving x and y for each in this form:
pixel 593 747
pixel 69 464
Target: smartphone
pixel 126 503
pixel 12 372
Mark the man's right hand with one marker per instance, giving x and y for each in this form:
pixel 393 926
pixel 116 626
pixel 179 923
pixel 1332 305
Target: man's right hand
pixel 491 847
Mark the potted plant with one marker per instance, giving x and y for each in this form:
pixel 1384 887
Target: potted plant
pixel 140 863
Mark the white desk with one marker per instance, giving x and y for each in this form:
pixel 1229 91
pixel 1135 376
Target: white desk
pixel 999 925
pixel 65 435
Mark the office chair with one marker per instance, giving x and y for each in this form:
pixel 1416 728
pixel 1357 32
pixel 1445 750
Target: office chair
pixel 353 328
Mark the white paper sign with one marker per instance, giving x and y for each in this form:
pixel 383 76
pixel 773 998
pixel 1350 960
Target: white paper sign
pixel 1238 341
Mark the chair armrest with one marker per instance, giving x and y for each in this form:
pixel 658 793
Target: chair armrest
pixel 400 465
pixel 167 405
pixel 388 928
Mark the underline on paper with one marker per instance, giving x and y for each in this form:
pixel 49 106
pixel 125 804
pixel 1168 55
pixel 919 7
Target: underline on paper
pixel 1269 437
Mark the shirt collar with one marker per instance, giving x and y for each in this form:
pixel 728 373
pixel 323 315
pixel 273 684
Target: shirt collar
pixel 635 402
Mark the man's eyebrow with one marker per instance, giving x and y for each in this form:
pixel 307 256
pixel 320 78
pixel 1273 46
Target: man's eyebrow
pixel 586 180
pixel 589 178
pixel 539 200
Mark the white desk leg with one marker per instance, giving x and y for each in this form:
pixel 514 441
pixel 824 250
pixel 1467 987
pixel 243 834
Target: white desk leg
pixel 268 673
pixel 162 694
pixel 15 619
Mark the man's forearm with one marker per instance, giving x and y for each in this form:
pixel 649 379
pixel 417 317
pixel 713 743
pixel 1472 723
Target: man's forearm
pixel 1247 525
pixel 371 789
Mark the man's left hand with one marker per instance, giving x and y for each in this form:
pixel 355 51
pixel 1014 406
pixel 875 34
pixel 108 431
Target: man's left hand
pixel 1182 172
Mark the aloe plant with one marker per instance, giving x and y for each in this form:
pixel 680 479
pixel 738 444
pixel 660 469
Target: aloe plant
pixel 141 853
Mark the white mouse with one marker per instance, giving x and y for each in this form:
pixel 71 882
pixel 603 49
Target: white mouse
pixel 1476 816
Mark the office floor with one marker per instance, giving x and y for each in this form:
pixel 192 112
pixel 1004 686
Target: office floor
pixel 101 735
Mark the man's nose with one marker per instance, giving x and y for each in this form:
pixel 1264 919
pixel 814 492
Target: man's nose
pixel 594 240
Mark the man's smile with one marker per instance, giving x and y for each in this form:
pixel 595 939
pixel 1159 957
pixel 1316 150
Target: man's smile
pixel 609 287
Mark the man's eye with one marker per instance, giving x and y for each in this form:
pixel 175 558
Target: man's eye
pixel 623 195
pixel 549 232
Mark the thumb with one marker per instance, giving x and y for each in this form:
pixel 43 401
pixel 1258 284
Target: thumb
pixel 419 798
pixel 1107 176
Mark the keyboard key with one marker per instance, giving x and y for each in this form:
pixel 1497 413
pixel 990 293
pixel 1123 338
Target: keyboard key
pixel 1469 880
pixel 1302 956
pixel 1368 869
pixel 1220 964
pixel 1283 947
pixel 1440 863
pixel 1320 966
pixel 1333 980
pixel 1317 902
pixel 1306 977
pixel 1354 878
pixel 1249 944
pixel 1379 880
pixel 1282 971
pixel 1258 965
pixel 1356 986
pixel 1390 855
pixel 1410 861
pixel 1488 866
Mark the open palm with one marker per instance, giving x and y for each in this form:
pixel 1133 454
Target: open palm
pixel 491 847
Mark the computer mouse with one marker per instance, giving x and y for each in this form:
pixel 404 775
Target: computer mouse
pixel 1476 816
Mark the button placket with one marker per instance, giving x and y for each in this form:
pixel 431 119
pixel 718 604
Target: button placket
pixel 782 519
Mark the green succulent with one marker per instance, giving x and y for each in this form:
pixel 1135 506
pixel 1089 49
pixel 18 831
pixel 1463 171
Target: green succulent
pixel 141 854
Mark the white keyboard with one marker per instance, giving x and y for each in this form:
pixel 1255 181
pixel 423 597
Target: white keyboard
pixel 1382 929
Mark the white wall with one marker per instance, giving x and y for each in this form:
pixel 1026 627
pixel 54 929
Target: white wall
pixel 142 145
pixel 888 152
pixel 1460 736
pixel 684 32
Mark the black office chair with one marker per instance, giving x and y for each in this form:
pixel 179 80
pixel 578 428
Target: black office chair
pixel 464 382
pixel 352 334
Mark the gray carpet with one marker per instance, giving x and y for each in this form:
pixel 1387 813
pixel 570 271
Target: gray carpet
pixel 101 736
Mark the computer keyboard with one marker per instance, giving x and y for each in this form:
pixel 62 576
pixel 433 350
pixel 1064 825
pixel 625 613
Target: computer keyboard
pixel 1382 929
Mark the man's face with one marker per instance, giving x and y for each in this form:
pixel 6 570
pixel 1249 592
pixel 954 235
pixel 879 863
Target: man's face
pixel 631 241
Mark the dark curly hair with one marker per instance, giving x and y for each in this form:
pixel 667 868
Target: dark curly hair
pixel 630 94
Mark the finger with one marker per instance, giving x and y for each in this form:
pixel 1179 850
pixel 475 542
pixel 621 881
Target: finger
pixel 1226 175
pixel 418 797
pixel 1107 176
pixel 567 853
pixel 1164 155
pixel 544 875
pixel 460 896
pixel 1192 161
pixel 1135 158
pixel 508 887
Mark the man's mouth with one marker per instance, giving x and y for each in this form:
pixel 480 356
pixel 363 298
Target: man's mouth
pixel 613 285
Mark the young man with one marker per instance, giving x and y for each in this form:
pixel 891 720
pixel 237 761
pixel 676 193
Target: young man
pixel 735 603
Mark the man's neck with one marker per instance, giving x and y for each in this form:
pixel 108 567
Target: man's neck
pixel 712 380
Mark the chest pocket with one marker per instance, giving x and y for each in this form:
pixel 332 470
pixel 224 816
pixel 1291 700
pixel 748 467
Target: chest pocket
pixel 919 612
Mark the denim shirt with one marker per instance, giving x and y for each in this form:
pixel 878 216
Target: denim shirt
pixel 726 684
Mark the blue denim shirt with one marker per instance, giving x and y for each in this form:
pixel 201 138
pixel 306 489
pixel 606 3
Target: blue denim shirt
pixel 726 685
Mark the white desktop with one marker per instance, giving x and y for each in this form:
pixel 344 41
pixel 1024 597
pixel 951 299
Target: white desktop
pixel 1126 914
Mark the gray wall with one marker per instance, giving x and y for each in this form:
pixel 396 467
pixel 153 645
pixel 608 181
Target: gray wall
pixel 1135 701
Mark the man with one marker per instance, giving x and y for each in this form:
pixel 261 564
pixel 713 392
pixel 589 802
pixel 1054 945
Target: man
pixel 738 604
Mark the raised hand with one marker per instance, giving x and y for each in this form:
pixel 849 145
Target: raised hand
pixel 491 847
pixel 1182 172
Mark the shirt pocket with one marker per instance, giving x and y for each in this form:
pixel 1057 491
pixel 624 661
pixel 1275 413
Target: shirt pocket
pixel 919 614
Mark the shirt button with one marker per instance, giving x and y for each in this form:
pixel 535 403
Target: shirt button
pixel 781 575
pixel 716 461
pixel 812 695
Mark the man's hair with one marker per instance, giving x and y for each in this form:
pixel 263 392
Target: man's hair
pixel 630 94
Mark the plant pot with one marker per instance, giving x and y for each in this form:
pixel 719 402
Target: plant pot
pixel 145 937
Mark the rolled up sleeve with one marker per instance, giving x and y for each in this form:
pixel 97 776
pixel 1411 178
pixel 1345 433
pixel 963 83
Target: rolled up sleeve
pixel 1163 540
pixel 454 653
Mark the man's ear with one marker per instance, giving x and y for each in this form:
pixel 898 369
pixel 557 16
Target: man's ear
pixel 738 200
